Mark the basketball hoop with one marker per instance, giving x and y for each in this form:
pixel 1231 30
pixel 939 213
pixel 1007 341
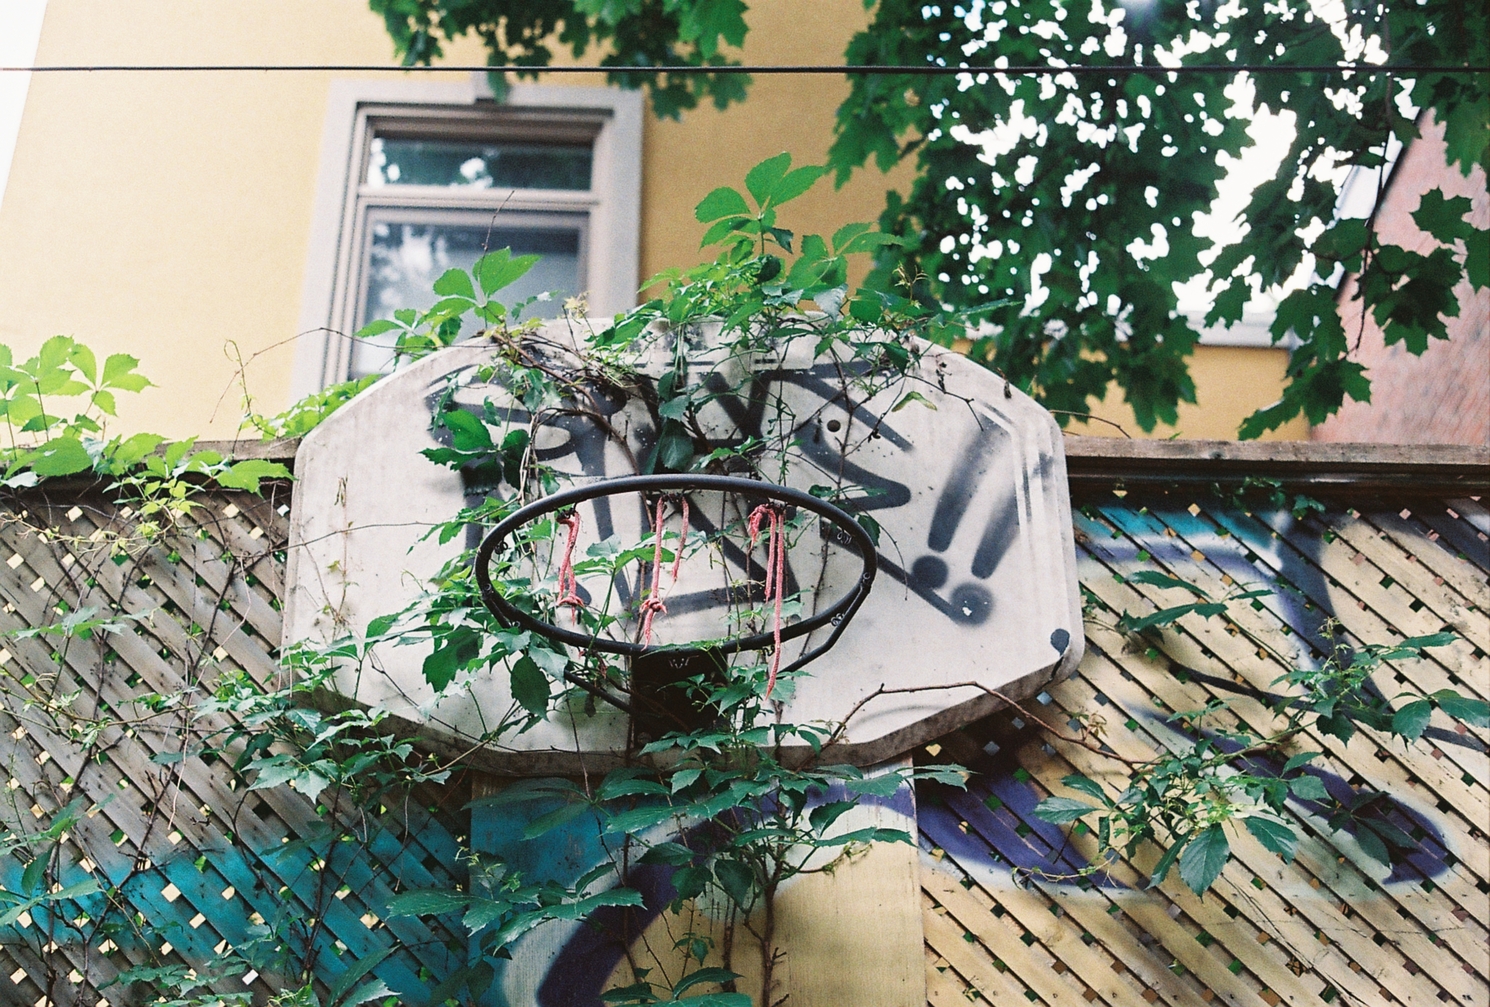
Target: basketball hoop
pixel 657 666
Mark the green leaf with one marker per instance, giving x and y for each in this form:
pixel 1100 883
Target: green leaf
pixel 132 450
pixel 35 871
pixel 737 880
pixel 468 432
pixel 451 654
pixel 1158 579
pixel 722 202
pixel 1274 836
pixel 247 474
pixel 358 968
pixel 1166 616
pixel 381 625
pixel 549 821
pixel 871 527
pixel 455 283
pixel 847 233
pixel 910 397
pixel 119 372
pixel 1086 785
pixel 877 786
pixel 1477 261
pixel 60 456
pixel 1424 642
pixel 427 902
pixel 1444 218
pixel 672 854
pixel 1161 869
pixel 640 818
pixel 82 358
pixel 1336 726
pixel 869 242
pixel 530 686
pixel 1203 858
pixel 736 229
pixel 1062 809
pixel 764 177
pixel 376 327
pixel 1474 712
pixel 1410 721
pixel 704 975
pixel 499 269
pixel 717 1000
pixel 795 183
pixel 1308 788
pixel 823 817
pixel 1303 758
pixel 1342 241
pixel 373 989
pixel 1372 845
pixel 1393 835
pixel 674 409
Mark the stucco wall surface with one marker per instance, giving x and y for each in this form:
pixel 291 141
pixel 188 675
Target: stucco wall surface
pixel 168 215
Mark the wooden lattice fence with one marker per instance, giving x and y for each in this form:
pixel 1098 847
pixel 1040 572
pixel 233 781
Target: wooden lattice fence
pixel 190 860
pixel 1332 927
pixel 188 857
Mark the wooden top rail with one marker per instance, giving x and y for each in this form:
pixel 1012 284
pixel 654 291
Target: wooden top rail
pixel 1099 462
pixel 1417 469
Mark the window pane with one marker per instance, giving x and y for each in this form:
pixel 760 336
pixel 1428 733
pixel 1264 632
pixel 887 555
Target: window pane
pixel 475 165
pixel 404 260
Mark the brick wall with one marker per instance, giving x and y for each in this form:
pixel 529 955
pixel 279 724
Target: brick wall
pixel 1442 397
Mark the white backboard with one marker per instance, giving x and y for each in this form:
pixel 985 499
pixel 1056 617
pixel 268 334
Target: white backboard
pixel 977 577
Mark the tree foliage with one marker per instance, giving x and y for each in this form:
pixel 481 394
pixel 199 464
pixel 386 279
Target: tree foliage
pixel 1074 196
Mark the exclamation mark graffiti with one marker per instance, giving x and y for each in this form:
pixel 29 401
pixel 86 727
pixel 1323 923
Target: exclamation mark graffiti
pixel 970 602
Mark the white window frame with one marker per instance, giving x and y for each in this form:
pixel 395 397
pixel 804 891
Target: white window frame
pixel 610 118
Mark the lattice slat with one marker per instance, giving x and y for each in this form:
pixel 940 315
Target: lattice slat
pixel 1332 925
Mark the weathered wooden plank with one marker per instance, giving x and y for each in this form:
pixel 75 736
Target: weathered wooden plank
pixel 1467 751
pixel 1354 469
pixel 1287 890
pixel 1139 907
pixel 1460 534
pixel 1260 672
pixel 1471 510
pixel 1287 566
pixel 1412 537
pixel 1260 960
pixel 209 786
pixel 1419 582
pixel 978 970
pixel 193 603
pixel 943 986
pixel 975 912
pixel 1459 882
pixel 1429 909
pixel 1032 969
pixel 1088 910
pixel 1392 604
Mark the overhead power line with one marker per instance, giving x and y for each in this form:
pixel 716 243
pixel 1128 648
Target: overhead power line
pixel 852 70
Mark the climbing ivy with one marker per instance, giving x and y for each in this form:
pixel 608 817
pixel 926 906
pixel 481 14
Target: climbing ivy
pixel 1190 797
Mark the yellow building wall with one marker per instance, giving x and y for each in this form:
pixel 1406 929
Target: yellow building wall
pixel 168 215
pixel 1231 383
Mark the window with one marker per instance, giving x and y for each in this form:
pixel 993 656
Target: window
pixel 418 178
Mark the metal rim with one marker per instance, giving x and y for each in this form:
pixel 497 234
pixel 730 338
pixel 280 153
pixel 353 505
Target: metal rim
pixel 838 614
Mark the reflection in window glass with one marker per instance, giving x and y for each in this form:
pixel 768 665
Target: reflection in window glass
pixel 404 260
pixel 475 165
